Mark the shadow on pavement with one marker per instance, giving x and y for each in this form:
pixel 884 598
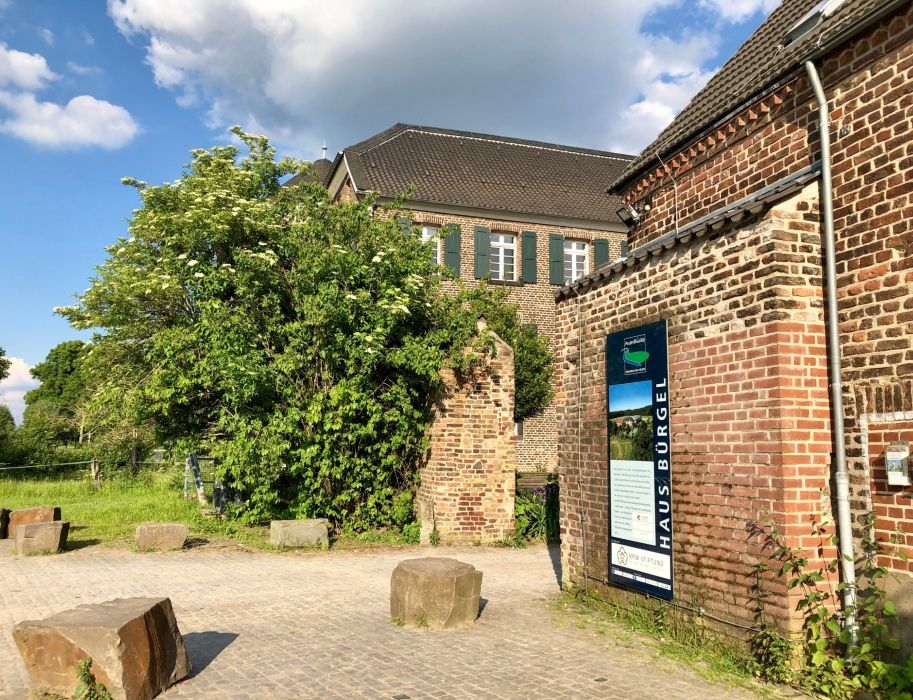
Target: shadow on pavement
pixel 554 553
pixel 203 647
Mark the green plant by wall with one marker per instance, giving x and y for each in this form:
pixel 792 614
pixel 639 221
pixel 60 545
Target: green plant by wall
pixel 89 688
pixel 836 665
pixel 412 532
pixel 536 512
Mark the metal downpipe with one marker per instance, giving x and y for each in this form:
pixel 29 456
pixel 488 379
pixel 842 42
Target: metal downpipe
pixel 841 475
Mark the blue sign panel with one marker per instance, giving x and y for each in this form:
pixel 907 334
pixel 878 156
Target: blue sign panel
pixel 640 487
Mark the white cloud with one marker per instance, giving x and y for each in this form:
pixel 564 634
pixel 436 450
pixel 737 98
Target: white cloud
pixel 80 69
pixel 306 70
pixel 26 71
pixel 47 35
pixel 13 388
pixel 739 10
pixel 83 121
pixel 670 73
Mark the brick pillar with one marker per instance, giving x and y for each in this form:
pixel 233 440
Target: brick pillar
pixel 468 482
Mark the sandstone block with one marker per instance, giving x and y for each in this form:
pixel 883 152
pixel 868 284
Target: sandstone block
pixel 161 536
pixel 4 523
pixel 44 514
pixel 136 648
pixel 42 538
pixel 299 533
pixel 435 591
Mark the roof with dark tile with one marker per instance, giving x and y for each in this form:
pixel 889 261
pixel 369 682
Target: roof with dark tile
pixel 760 63
pixel 320 171
pixel 483 171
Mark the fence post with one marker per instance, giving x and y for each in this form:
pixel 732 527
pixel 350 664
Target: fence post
pixel 96 474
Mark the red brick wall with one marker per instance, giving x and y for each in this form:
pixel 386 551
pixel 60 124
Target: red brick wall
pixel 468 482
pixel 748 391
pixel 869 86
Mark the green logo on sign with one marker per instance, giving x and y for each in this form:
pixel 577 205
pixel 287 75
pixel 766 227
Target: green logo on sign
pixel 638 358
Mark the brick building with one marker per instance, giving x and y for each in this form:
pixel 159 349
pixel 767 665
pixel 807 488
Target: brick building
pixel 731 254
pixel 528 215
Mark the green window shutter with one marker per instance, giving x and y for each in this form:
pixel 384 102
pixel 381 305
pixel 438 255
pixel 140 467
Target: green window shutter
pixel 528 250
pixel 624 249
pixel 555 258
pixel 405 224
pixel 601 246
pixel 452 249
pixel 483 244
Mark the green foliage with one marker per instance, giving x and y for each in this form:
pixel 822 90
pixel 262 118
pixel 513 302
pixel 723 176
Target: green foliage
pixel 434 538
pixel 412 532
pixel 4 365
pixel 89 688
pixel 62 381
pixel 836 665
pixel 297 340
pixel 536 512
pixel 534 363
pixel 402 512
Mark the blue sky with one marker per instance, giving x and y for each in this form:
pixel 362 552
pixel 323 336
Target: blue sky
pixel 624 397
pixel 91 92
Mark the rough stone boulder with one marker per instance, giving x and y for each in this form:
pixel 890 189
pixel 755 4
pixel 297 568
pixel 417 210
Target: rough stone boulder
pixel 42 538
pixel 435 591
pixel 45 514
pixel 160 536
pixel 4 523
pixel 299 533
pixel 136 648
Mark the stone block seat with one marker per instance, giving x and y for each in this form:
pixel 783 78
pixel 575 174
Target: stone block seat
pixel 25 516
pixel 299 533
pixel 160 537
pixel 42 538
pixel 136 648
pixel 437 592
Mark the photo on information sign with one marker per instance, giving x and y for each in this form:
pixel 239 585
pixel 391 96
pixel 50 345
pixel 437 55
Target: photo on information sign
pixel 631 421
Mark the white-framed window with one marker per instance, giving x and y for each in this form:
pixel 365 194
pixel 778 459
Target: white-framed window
pixel 432 233
pixel 576 260
pixel 503 257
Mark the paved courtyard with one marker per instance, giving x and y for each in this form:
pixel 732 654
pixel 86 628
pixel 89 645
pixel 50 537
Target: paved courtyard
pixel 317 625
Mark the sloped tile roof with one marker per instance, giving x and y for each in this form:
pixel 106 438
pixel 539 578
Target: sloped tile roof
pixel 488 172
pixel 762 61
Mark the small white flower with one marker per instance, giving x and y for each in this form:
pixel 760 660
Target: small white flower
pixel 376 259
pixel 198 275
pixel 182 256
pixel 191 263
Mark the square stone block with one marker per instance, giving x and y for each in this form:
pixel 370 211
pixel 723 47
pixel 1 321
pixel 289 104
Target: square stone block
pixel 160 537
pixel 436 592
pixel 299 533
pixel 42 538
pixel 136 648
pixel 43 514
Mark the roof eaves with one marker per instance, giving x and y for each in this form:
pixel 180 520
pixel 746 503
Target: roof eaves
pixel 750 205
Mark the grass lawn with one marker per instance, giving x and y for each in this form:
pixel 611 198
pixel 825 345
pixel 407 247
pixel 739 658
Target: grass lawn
pixel 109 516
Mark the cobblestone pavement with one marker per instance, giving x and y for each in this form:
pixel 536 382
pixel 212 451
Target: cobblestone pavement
pixel 317 625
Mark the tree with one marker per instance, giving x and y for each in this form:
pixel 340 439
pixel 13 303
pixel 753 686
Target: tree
pixel 296 339
pixel 4 365
pixel 53 409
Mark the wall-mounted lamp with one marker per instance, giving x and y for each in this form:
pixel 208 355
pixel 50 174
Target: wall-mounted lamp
pixel 630 214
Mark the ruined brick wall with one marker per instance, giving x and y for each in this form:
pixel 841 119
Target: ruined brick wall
pixel 537 447
pixel 748 395
pixel 468 482
pixel 868 84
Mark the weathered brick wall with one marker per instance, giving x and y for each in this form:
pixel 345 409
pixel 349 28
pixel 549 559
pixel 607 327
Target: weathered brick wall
pixel 868 83
pixel 468 482
pixel 748 393
pixel 537 448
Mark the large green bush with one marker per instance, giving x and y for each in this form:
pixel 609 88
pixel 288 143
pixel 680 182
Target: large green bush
pixel 296 339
